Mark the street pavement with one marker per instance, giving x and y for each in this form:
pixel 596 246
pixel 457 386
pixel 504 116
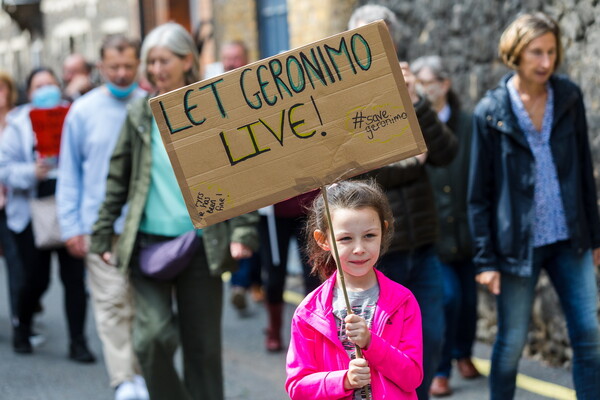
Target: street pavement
pixel 250 372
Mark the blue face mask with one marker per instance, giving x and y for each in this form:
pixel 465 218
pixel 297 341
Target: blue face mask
pixel 121 92
pixel 48 96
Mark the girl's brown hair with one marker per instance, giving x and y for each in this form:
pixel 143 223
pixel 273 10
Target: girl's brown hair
pixel 352 195
pixel 522 31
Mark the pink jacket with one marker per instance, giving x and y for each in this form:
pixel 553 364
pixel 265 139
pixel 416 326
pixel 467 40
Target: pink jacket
pixel 317 363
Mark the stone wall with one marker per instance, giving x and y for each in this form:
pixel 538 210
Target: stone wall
pixel 466 34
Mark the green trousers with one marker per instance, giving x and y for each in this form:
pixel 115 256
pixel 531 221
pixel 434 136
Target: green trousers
pixel 186 310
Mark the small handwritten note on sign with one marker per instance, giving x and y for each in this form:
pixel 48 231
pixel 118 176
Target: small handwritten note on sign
pixel 287 124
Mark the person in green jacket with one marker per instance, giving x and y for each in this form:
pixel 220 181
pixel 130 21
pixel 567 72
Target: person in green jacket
pixel 141 176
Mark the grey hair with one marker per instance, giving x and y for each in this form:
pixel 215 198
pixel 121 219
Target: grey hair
pixel 175 38
pixel 373 12
pixel 434 63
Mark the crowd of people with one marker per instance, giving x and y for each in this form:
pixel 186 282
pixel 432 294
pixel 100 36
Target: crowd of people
pixel 501 193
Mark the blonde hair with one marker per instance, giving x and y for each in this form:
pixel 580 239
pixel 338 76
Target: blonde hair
pixel 12 89
pixel 522 31
pixel 353 195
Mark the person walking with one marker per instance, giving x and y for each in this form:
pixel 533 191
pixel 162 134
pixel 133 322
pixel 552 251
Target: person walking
pixel 453 246
pixel 188 307
pixel 532 202
pixel 28 175
pixel 289 220
pixel 412 260
pixel 8 97
pixel 90 133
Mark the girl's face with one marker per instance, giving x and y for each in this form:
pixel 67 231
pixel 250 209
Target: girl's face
pixel 358 235
pixel 166 69
pixel 538 58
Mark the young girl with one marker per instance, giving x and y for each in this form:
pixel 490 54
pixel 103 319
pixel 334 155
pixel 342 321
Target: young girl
pixel 385 323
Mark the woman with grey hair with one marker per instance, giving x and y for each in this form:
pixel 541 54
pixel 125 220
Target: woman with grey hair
pixel 141 176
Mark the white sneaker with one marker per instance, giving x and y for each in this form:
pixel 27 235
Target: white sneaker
pixel 37 339
pixel 142 390
pixel 127 390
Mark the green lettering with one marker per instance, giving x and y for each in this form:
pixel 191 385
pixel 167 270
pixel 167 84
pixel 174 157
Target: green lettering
pixel 343 49
pixel 213 86
pixel 291 60
pixel 171 131
pixel 273 64
pixel 252 105
pixel 294 124
pixel 263 84
pixel 369 60
pixel 329 74
pixel 256 152
pixel 313 68
pixel 188 109
pixel 275 135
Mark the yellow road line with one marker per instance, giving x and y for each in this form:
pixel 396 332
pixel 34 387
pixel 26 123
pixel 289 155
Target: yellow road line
pixel 292 297
pixel 533 385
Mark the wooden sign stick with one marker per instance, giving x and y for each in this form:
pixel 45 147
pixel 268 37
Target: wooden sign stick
pixel 336 256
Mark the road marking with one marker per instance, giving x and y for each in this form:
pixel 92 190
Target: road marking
pixel 533 385
pixel 292 297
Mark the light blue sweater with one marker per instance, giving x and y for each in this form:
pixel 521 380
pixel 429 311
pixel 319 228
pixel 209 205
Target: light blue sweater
pixel 165 212
pixel 89 137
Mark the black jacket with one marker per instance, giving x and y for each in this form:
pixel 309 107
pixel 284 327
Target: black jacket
pixel 408 188
pixel 502 175
pixel 450 189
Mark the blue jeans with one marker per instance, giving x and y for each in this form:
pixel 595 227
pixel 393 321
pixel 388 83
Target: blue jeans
pixel 248 272
pixel 460 307
pixel 420 271
pixel 573 277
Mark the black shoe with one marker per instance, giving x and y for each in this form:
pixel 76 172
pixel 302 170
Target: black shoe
pixel 79 352
pixel 21 343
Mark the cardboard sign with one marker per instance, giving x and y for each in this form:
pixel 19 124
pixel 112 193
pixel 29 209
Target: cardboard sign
pixel 287 124
pixel 47 123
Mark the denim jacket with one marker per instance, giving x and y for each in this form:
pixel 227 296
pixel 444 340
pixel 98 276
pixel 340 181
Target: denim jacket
pixel 502 179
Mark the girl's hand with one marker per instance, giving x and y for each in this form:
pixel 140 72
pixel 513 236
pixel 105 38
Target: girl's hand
pixel 359 374
pixel 357 330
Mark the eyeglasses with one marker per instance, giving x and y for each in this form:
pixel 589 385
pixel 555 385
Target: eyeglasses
pixel 430 82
